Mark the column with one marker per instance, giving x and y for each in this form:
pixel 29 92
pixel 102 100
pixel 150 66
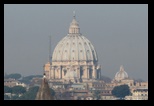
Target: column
pixel 96 74
pixel 59 73
pixel 79 73
pixel 49 75
pixel 54 73
pixel 93 74
pixel 50 72
pixel 100 74
pixel 88 73
pixel 62 73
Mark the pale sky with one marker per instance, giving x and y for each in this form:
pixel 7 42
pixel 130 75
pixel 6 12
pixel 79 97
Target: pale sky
pixel 118 32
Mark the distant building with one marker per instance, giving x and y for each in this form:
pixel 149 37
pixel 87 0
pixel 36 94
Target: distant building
pixel 13 82
pixel 138 94
pixel 36 81
pixel 74 58
pixel 107 97
pixel 74 73
pixel 120 75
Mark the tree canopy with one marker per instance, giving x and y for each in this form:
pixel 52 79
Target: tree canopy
pixel 52 92
pixel 14 76
pixel 28 79
pixel 105 78
pixel 30 94
pixel 18 90
pixel 97 94
pixel 7 89
pixel 6 97
pixel 121 91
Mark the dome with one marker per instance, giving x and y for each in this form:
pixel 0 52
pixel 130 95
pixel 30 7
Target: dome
pixel 74 46
pixel 74 58
pixel 121 74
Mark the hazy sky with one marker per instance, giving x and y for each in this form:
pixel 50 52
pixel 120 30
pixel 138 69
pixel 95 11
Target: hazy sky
pixel 119 33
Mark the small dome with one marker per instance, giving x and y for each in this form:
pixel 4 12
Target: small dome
pixel 121 74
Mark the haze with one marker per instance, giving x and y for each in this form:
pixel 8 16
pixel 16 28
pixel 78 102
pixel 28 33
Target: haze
pixel 119 33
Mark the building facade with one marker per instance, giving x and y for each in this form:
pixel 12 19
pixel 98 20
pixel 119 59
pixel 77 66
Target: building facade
pixel 74 58
pixel 13 82
pixel 138 94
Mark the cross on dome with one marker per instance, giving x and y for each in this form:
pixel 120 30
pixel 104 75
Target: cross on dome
pixel 121 68
pixel 74 26
pixel 74 14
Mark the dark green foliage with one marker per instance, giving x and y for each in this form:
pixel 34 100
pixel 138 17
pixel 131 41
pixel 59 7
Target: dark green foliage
pixel 28 79
pixel 15 97
pixel 96 94
pixel 52 92
pixel 7 89
pixel 14 76
pixel 105 79
pixel 121 91
pixel 6 97
pixel 30 94
pixel 18 90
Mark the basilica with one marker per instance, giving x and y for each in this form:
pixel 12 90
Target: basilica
pixel 74 58
pixel 73 68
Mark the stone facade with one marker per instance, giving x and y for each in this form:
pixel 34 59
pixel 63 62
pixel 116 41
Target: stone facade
pixel 74 58
pixel 13 82
pixel 138 94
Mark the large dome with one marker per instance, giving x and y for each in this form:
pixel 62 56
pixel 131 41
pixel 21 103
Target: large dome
pixel 74 58
pixel 74 46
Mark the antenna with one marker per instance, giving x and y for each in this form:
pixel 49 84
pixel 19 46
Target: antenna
pixel 74 14
pixel 50 48
pixel 50 57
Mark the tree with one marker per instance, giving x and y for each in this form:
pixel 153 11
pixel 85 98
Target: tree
pixel 52 92
pixel 18 90
pixel 30 94
pixel 121 91
pixel 105 79
pixel 15 97
pixel 97 94
pixel 6 97
pixel 14 76
pixel 7 89
pixel 28 79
